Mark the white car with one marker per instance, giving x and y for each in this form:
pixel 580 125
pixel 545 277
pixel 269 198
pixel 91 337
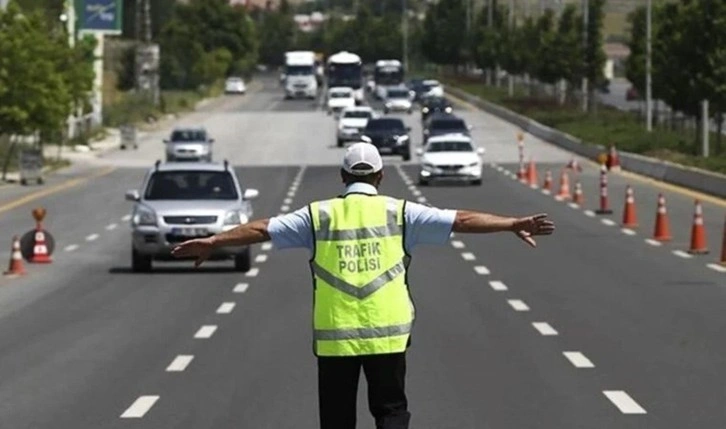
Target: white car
pixel 340 98
pixel 397 99
pixel 235 85
pixel 351 122
pixel 450 157
pixel 432 88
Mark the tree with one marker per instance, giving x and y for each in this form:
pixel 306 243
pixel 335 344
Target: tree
pixel 445 35
pixel 594 54
pixel 546 67
pixel 635 64
pixel 487 42
pixel 567 51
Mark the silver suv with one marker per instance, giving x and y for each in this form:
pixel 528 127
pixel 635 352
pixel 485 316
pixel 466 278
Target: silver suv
pixel 181 201
pixel 189 144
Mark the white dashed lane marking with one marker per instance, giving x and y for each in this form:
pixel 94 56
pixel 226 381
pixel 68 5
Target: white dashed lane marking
pixel 624 402
pixel 126 218
pixel 589 213
pixel 416 193
pixel 717 267
pixel 180 363
pixel 71 247
pixel 205 331
pixel 285 208
pixel 468 256
pixel 578 360
pixel 421 200
pixel 481 270
pixel 498 285
pixel 266 246
pixel 261 258
pixel 252 272
pixel 574 205
pixel 140 407
pixel 241 287
pixel 518 305
pixel 682 254
pixel 111 227
pixel 628 231
pixel 608 222
pixel 652 242
pixel 92 237
pixel 287 201
pixel 226 308
pixel 457 244
pixel 291 194
pixel 544 328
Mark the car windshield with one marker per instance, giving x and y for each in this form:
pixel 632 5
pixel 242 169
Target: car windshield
pixel 341 94
pixel 362 114
pixel 429 85
pixel 234 80
pixel 448 124
pixel 436 102
pixel 299 70
pixel 450 147
pixel 385 124
pixel 397 93
pixel 191 185
pixel 188 136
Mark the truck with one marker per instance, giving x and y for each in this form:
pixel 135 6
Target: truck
pixel 299 76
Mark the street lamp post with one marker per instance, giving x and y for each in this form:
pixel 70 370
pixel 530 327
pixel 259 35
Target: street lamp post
pixel 404 25
pixel 648 66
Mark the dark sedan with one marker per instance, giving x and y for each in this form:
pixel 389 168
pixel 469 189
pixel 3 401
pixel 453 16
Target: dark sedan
pixel 444 123
pixel 389 135
pixel 431 105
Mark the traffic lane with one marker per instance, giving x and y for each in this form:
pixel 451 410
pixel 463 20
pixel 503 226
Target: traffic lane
pixel 99 325
pixel 467 350
pixel 649 322
pixel 680 206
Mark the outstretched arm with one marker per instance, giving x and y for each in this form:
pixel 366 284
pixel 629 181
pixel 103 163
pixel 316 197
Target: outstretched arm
pixel 524 227
pixel 201 248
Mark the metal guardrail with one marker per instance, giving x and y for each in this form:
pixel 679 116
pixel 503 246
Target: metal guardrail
pixel 689 177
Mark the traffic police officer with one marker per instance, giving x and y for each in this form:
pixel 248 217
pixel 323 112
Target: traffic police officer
pixel 360 244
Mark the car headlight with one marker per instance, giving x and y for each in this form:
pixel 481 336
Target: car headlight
pixel 401 139
pixel 388 104
pixel 425 110
pixel 144 216
pixel 235 218
pixel 448 110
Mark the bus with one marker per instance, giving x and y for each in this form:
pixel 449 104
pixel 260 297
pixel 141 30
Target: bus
pixel 346 69
pixel 387 73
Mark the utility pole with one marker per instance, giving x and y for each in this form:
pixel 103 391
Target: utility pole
pixel 510 78
pixel 648 66
pixel 404 25
pixel 585 24
pixel 490 22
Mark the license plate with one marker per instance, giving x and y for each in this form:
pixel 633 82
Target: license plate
pixel 190 232
pixel 385 150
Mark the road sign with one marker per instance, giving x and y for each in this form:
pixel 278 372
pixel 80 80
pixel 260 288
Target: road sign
pixel 31 166
pixel 101 16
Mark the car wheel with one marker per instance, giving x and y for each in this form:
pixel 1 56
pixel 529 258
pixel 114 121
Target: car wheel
pixel 340 143
pixel 476 182
pixel 140 263
pixel 242 261
pixel 407 155
pixel 423 182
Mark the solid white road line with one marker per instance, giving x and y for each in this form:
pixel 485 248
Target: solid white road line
pixel 226 308
pixel 624 402
pixel 71 247
pixel 457 244
pixel 682 254
pixel 92 237
pixel 111 227
pixel 126 218
pixel 652 242
pixel 241 287
pixel 717 267
pixel 482 270
pixel 497 285
pixel 140 407
pixel 608 222
pixel 578 360
pixel 266 246
pixel 252 272
pixel 468 256
pixel 261 258
pixel 205 331
pixel 628 231
pixel 544 328
pixel 589 213
pixel 518 305
pixel 180 363
pixel 421 199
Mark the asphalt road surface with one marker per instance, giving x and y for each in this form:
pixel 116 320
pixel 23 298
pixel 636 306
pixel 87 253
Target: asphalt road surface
pixel 595 328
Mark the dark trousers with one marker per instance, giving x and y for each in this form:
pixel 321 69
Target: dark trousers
pixel 338 390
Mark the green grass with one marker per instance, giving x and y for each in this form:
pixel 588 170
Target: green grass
pixel 608 126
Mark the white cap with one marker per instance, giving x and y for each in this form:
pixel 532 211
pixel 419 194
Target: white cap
pixel 361 159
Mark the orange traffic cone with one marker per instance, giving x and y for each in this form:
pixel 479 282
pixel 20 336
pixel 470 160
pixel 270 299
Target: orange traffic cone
pixel 40 249
pixel 698 232
pixel 547 185
pixel 564 193
pixel 522 173
pixel 630 217
pixel 574 165
pixel 15 268
pixel 662 226
pixel 578 198
pixel 604 201
pixel 613 160
pixel 532 174
pixel 723 244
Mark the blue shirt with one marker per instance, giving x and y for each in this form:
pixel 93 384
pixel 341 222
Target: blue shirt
pixel 423 224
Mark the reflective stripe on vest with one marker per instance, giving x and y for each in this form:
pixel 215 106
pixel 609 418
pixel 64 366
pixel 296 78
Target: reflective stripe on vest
pixel 362 305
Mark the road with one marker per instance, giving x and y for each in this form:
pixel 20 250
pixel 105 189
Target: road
pixel 595 328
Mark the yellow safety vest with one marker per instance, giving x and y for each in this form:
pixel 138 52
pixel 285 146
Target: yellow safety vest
pixel 362 305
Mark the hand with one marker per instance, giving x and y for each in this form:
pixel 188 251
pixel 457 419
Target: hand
pixel 200 248
pixel 527 227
